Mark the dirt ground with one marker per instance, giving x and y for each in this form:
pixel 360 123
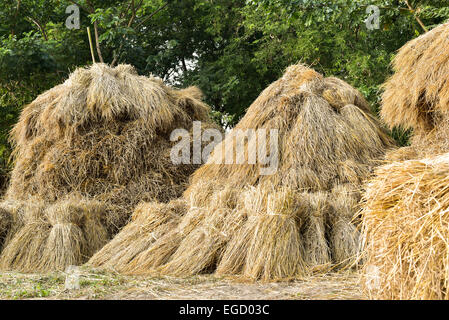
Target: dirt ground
pixel 95 284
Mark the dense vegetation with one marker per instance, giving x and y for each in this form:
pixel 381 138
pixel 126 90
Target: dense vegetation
pixel 231 49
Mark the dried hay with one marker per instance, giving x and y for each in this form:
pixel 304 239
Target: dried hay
pixel 88 151
pixel 406 227
pixel 404 208
pixel 238 222
pixel 150 221
pixel 417 95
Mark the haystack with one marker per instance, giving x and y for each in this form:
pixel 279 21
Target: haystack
pixel 417 95
pixel 405 206
pixel 86 153
pixel 236 219
pixel 406 229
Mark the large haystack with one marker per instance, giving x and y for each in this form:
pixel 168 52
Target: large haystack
pixel 236 220
pixel 417 95
pixel 405 206
pixel 86 153
pixel 406 229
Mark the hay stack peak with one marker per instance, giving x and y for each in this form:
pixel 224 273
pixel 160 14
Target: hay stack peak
pixel 417 95
pixel 85 153
pixel 233 220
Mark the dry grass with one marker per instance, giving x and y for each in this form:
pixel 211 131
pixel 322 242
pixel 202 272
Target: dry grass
pixel 241 223
pixel 417 96
pixel 405 206
pixel 5 225
pixel 95 284
pixel 87 152
pixel 406 227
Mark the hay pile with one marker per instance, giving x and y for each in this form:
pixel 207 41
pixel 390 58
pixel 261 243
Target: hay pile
pixel 233 220
pixel 406 229
pixel 86 153
pixel 5 225
pixel 405 216
pixel 417 95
